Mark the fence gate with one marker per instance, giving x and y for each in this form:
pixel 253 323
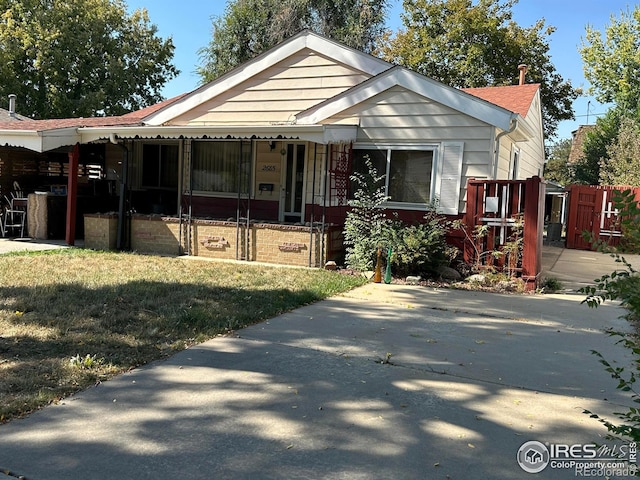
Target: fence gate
pixel 591 209
pixel 501 205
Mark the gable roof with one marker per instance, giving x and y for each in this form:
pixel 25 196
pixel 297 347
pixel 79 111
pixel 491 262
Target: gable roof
pixel 471 105
pixel 304 40
pixel 515 98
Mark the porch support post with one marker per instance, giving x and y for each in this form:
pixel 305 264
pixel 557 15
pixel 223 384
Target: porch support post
pixel 72 195
pixel 533 225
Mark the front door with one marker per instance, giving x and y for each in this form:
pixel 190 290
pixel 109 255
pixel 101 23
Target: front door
pixel 293 183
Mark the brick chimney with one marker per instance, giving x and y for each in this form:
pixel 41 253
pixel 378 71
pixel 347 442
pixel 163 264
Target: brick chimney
pixel 523 71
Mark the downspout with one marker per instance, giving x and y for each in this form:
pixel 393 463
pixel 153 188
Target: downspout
pixel 123 191
pixel 513 124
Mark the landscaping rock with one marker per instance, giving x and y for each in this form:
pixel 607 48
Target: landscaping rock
pixel 477 278
pixel 330 265
pixel 368 274
pixel 413 280
pixel 448 273
pixel 509 286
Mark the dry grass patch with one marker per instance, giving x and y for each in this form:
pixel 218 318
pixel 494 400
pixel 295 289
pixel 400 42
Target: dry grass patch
pixel 72 318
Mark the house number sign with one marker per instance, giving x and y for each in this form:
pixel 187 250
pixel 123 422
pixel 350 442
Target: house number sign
pixel 291 247
pixel 217 243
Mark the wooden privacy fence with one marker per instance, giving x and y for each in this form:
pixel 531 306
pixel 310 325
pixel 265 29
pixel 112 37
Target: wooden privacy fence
pixel 510 214
pixel 591 209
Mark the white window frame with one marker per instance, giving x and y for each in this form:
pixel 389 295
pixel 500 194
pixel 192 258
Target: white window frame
pixel 514 162
pixel 446 174
pixel 389 147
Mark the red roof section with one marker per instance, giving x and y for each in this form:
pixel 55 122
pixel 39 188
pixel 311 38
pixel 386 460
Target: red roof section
pixel 42 125
pixel 145 112
pixel 515 98
pixel 129 119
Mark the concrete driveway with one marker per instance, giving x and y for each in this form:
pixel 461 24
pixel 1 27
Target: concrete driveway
pixel 388 381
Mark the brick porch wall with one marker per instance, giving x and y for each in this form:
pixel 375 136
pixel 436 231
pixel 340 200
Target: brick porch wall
pixel 269 243
pixel 285 245
pixel 215 239
pixel 100 231
pixel 155 234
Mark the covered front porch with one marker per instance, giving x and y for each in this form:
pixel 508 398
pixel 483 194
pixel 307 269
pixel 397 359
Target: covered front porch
pixel 278 196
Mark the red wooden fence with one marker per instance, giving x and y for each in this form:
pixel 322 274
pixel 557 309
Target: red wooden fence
pixel 502 206
pixel 591 209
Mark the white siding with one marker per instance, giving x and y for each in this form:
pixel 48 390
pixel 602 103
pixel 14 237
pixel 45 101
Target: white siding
pixel 399 116
pixel 531 159
pixel 278 93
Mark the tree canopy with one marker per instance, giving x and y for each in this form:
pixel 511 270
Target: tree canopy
pixel 557 168
pixel 622 167
pixel 467 43
pixel 72 58
pixel 250 27
pixel 612 61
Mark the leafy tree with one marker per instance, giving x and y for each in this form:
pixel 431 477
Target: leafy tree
pixel 466 43
pixel 622 167
pixel 611 65
pixel 250 27
pixel 557 168
pixel 611 61
pixel 68 58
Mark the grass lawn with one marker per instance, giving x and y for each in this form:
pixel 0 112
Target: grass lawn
pixel 72 318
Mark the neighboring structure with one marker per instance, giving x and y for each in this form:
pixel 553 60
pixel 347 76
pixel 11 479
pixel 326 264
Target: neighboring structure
pixel 271 146
pixel 577 143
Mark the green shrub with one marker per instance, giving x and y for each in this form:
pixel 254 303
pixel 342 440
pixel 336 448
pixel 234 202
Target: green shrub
pixel 366 221
pixel 417 249
pixel 551 285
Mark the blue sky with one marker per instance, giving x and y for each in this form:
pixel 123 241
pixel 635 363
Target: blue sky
pixel 188 22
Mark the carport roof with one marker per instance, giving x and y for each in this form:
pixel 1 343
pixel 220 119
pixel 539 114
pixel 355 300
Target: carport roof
pixel 43 135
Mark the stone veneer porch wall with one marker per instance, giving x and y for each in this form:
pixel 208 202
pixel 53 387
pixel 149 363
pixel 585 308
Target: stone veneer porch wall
pixel 269 243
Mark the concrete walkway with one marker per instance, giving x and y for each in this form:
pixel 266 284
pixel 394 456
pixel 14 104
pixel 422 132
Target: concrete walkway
pixel 579 268
pixel 9 245
pixel 388 381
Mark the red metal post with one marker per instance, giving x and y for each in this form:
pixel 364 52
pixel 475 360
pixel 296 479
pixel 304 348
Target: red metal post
pixel 72 195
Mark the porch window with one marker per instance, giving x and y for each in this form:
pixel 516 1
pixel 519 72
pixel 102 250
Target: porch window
pixel 408 172
pixel 159 166
pixel 221 167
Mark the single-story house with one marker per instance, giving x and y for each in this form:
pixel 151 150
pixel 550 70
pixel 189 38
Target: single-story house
pixel 256 164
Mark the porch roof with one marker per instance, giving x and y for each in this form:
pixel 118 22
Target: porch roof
pixel 323 134
pixel 46 139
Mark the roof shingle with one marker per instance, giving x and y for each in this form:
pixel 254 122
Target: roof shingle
pixel 515 98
